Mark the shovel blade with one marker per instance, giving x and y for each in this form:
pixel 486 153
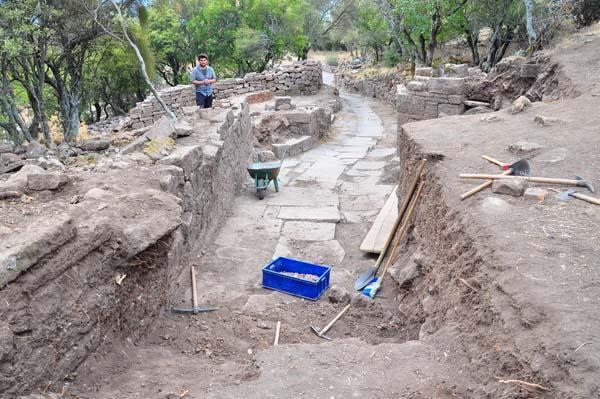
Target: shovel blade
pixel 364 279
pixel 520 168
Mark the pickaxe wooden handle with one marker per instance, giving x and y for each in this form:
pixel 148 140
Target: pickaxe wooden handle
pixel 488 183
pixel 547 180
pixel 586 198
pixel 336 318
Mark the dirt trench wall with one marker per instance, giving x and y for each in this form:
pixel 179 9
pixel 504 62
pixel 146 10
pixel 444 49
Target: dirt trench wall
pixel 303 77
pixel 100 269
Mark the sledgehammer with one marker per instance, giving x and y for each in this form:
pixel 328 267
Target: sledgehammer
pixel 321 333
pixel 195 309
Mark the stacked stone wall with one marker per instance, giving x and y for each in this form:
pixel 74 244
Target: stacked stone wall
pixel 429 97
pixel 381 85
pixel 302 78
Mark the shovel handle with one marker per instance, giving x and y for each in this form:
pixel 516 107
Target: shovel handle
pixel 493 160
pixel 336 318
pixel 482 186
pixel 401 213
pixel 194 292
pixel 549 180
pixel 586 198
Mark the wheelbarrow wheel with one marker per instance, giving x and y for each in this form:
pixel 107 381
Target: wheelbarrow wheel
pixel 261 190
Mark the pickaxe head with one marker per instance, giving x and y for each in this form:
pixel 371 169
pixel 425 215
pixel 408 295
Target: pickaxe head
pixel 193 310
pixel 585 183
pixel 565 195
pixel 319 334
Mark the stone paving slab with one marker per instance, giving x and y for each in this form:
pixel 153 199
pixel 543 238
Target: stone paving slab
pixel 361 202
pixel 309 231
pixel 329 253
pixel 302 196
pixel 359 216
pixel 324 172
pixel 369 165
pixel 359 141
pixel 324 214
pixel 381 152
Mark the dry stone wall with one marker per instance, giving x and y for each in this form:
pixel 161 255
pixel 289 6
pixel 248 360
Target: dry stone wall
pixel 100 266
pixel 381 85
pixel 304 77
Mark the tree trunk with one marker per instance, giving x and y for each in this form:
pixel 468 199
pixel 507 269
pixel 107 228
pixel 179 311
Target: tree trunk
pixel 135 48
pixel 98 109
pixel 473 42
pixel 436 25
pixel 423 50
pixel 531 35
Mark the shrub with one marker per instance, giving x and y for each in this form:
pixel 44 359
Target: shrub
pixel 391 58
pixel 332 60
pixel 586 12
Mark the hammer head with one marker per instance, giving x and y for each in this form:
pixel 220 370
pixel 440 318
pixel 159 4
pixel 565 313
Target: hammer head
pixel 319 334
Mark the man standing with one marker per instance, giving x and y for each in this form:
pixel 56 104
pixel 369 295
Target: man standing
pixel 202 78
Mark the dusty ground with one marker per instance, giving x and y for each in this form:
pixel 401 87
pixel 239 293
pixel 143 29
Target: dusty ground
pixel 530 313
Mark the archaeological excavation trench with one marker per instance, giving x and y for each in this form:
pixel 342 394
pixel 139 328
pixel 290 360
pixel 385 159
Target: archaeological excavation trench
pixel 491 297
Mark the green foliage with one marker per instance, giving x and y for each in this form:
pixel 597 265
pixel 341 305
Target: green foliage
pixel 331 60
pixel 586 12
pixel 391 58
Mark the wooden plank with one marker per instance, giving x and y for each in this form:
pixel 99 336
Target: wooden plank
pixel 384 222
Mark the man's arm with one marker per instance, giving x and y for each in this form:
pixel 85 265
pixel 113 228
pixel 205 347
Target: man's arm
pixel 213 77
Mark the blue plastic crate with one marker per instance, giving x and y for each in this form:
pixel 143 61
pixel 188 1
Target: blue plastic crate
pixel 275 280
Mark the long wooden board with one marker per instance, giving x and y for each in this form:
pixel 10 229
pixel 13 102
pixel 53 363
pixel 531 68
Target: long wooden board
pixel 384 222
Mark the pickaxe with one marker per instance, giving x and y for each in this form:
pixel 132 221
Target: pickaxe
pixel 321 333
pixel 548 180
pixel 195 309
pixel 566 195
pixel 519 168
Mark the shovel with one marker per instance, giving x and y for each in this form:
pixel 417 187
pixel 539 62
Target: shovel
pixel 367 276
pixel 519 168
pixel 372 288
pixel 195 309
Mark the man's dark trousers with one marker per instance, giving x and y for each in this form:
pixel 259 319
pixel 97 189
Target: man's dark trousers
pixel 203 101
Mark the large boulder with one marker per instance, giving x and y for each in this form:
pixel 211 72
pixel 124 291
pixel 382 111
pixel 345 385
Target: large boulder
pixel 95 144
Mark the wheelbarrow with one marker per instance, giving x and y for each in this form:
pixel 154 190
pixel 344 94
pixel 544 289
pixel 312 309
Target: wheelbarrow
pixel 263 173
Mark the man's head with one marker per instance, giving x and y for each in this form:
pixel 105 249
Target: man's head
pixel 202 60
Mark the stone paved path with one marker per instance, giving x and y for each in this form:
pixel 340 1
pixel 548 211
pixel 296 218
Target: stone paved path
pixel 338 182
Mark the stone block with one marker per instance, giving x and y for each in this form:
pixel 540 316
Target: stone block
pixel 447 86
pixel 415 85
pixel 535 193
pixel 514 186
pixel 95 144
pixel 456 99
pixel 45 181
pixel 450 109
pixel 520 104
pixel 187 158
pixel 530 70
pixel 456 70
pixel 424 71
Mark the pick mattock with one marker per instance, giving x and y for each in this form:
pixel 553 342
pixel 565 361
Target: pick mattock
pixel 519 168
pixel 547 180
pixel 566 195
pixel 321 333
pixel 195 309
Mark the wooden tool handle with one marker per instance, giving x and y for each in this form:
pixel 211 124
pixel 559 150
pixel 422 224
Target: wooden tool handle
pixel 492 160
pixel 549 180
pixel 586 198
pixel 482 186
pixel 336 318
pixel 194 293
pixel 277 328
pixel 403 229
pixel 405 203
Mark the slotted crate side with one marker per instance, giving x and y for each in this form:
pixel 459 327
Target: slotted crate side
pixel 275 280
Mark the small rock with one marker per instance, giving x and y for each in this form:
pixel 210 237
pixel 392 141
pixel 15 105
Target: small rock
pixel 515 186
pixel 283 103
pixel 491 118
pixel 183 128
pixel 262 325
pixel 524 147
pixel 520 104
pixel 75 199
pixel 98 194
pixel 546 121
pixel 360 301
pixel 45 181
pixel 95 145
pixel 164 127
pixel 494 206
pixel 535 193
pixel 530 70
pixel 407 274
pixel 35 150
pixel 6 147
pixel 266 156
pixel 337 294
